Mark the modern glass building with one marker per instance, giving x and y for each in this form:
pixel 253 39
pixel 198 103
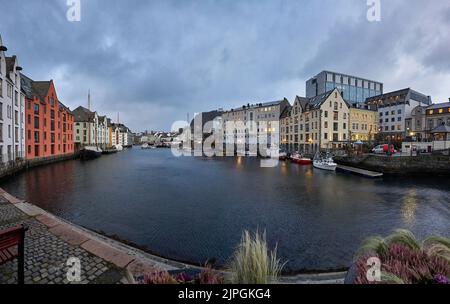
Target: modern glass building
pixel 354 89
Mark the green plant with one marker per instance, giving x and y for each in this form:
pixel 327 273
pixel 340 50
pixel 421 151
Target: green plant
pixel 252 262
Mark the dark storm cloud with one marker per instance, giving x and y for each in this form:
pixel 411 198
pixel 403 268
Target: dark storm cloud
pixel 155 61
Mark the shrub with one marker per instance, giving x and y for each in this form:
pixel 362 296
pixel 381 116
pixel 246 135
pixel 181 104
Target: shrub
pixel 405 260
pixel 210 277
pixel 159 277
pixel 252 263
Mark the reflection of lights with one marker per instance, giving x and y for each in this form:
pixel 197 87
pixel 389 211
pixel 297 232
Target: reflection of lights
pixel 409 206
pixel 239 161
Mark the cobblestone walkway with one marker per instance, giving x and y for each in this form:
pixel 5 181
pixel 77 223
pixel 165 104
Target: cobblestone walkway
pixel 46 255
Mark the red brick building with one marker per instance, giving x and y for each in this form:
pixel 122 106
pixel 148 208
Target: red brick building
pixel 48 122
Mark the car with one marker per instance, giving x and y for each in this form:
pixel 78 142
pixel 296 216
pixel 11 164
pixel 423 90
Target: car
pixel 383 149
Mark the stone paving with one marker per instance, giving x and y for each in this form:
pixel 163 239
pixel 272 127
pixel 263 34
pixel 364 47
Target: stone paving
pixel 46 255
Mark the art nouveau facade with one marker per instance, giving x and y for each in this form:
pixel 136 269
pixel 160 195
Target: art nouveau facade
pixel 316 123
pixel 49 123
pixel 86 127
pixel 12 111
pixel 424 119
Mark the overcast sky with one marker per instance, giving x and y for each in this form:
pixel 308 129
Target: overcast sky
pixel 156 61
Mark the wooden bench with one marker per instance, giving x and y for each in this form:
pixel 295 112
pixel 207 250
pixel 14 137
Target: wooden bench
pixel 12 246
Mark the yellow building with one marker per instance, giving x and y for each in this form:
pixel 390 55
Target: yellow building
pixel 363 124
pixel 317 123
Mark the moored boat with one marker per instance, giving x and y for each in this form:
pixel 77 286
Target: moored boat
pixel 325 163
pixel 119 147
pixel 300 159
pixel 90 152
pixel 282 155
pixel 145 146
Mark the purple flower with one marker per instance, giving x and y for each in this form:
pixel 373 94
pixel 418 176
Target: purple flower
pixel 440 279
pixel 184 278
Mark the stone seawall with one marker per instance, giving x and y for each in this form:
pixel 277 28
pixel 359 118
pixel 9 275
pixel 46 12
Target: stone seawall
pixel 399 165
pixel 17 166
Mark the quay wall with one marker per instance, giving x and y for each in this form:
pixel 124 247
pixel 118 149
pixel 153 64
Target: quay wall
pixel 13 167
pixel 399 165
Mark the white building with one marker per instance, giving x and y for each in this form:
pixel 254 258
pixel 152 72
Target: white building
pixel 103 132
pixel 121 135
pixel 12 111
pixel 395 109
pixel 254 124
pixel 86 128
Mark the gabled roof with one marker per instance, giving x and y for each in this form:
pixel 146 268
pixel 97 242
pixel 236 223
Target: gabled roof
pixel 81 114
pixel 33 88
pixel 286 112
pixel 317 101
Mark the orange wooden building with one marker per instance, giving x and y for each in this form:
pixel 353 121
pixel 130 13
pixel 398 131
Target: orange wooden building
pixel 48 122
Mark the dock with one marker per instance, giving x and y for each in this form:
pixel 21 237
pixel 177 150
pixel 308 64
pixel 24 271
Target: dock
pixel 361 172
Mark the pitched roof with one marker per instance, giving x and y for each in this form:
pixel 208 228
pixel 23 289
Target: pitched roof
pixel 40 89
pixel 286 112
pixel 81 114
pixel 441 129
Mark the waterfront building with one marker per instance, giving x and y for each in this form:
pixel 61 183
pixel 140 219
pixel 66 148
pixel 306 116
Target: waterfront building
pixel 49 123
pixel 320 122
pixel 103 132
pixel 12 111
pixel 425 119
pixel 85 128
pixel 251 119
pixel 204 125
pixel 363 124
pixel 121 135
pixel 354 89
pixel 394 109
pixel 286 128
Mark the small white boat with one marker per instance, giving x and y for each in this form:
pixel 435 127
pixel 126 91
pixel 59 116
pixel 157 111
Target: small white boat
pixel 119 147
pixel 145 146
pixel 325 164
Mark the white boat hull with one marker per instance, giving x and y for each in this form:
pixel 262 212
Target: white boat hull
pixel 325 166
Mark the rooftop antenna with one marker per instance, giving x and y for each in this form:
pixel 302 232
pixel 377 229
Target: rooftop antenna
pixel 89 99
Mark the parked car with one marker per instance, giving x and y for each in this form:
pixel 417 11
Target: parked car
pixel 383 149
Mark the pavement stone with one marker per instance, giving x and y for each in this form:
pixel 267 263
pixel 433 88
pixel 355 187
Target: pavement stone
pixel 46 254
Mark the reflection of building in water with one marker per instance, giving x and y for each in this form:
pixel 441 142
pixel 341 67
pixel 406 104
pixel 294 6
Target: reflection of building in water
pixel 43 183
pixel 409 207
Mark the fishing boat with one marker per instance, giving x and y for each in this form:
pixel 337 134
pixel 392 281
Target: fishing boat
pixel 300 159
pixel 325 163
pixel 90 152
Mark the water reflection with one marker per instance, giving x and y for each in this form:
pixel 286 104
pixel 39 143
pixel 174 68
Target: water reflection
pixel 409 207
pixel 195 210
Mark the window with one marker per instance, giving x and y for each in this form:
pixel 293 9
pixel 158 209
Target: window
pixel 1 87
pixel 16 117
pixel 326 125
pixel 36 109
pixel 1 133
pixel 336 115
pixel 399 111
pixel 325 135
pixel 36 122
pixel 36 136
pixel 1 110
pixel 326 114
pixel 335 126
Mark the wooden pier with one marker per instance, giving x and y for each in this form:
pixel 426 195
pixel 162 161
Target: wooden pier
pixel 361 172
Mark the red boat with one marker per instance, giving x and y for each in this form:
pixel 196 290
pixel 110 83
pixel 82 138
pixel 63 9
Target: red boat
pixel 299 159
